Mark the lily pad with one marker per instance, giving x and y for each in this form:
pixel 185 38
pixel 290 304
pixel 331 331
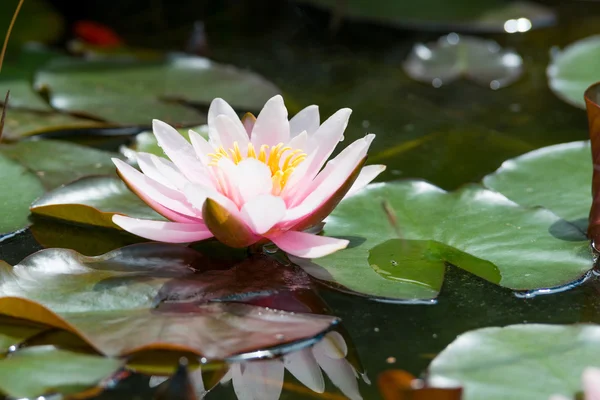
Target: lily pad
pixel 573 69
pixel 453 56
pixel 440 15
pixel 93 201
pixel 57 162
pixel 475 229
pixel 41 370
pixel 18 188
pixel 114 302
pixel 555 177
pixel 124 91
pixel 21 123
pixel 518 362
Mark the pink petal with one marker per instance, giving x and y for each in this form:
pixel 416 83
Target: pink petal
pixel 201 146
pixel 367 174
pixel 306 120
pixel 170 172
pixel 197 195
pixel 300 141
pixel 591 383
pixel 248 120
pixel 307 245
pixel 253 178
pixel 304 367
pixel 330 179
pixel 326 138
pixel 180 151
pixel 264 379
pixel 272 126
pixel 333 346
pixel 263 212
pixel 220 107
pixel 340 372
pixel 144 161
pixel 170 232
pixel 150 190
pixel 230 132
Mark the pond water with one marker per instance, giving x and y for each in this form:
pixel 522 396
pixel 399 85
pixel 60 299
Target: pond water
pixel 449 136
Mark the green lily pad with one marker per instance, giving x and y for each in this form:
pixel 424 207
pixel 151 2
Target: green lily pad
pixel 18 188
pixel 573 69
pixel 37 21
pixel 555 177
pixel 124 91
pixel 41 370
pixel 473 228
pixel 57 162
pixel 114 302
pixel 21 123
pixel 518 362
pixel 439 15
pixel 92 201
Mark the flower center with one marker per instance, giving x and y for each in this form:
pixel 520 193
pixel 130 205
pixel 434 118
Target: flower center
pixel 280 159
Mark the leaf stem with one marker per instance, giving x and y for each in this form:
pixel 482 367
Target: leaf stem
pixel 7 36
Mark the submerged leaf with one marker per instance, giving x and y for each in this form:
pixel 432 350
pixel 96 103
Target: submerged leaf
pixel 518 361
pixel 36 371
pixel 474 229
pixel 124 91
pixel 592 97
pixel 93 201
pixel 454 56
pixel 113 302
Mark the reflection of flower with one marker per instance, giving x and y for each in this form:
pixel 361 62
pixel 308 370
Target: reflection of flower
pixel 263 380
pixel 254 181
pixel 590 380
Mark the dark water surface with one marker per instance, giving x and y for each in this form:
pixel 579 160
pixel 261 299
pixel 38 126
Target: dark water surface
pixel 450 136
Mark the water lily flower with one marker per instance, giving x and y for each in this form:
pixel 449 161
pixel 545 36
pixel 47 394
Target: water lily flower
pixel 590 380
pixel 253 181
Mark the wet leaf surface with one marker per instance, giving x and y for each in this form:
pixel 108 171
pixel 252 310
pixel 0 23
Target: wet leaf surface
pixel 574 68
pixel 113 303
pixel 454 56
pixel 92 201
pixel 18 188
pixel 555 177
pixel 45 370
pixel 438 15
pixel 126 90
pixel 518 361
pixel 473 228
pixel 57 163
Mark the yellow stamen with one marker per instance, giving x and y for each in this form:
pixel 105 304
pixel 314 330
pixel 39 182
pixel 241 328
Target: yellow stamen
pixel 281 167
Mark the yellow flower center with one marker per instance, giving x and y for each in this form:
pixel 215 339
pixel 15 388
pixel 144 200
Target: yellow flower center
pixel 281 160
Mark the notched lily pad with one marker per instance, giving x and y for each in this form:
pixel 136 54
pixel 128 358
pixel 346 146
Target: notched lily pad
pixel 516 361
pixel 474 229
pixel 114 303
pixel 454 56
pixel 92 201
pixel 573 69
pixel 124 91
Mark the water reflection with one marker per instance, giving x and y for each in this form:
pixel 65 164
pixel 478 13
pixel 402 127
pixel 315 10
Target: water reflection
pixel 265 379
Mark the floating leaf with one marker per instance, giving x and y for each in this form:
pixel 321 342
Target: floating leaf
pixel 439 15
pixel 18 188
pixel 574 69
pixel 92 200
pixel 592 96
pixel 37 21
pixel 124 91
pixel 111 301
pixel 519 361
pixel 555 177
pixel 474 229
pixel 454 56
pixel 57 163
pixel 21 123
pixel 36 371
